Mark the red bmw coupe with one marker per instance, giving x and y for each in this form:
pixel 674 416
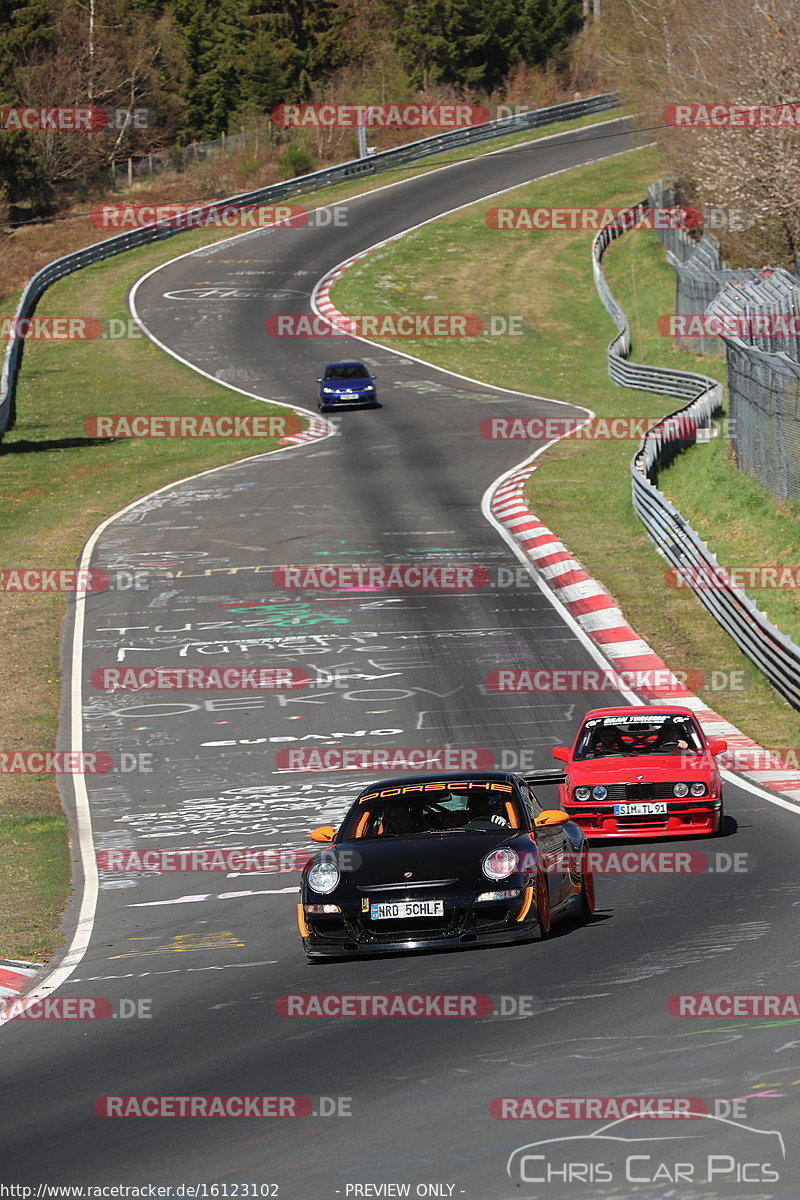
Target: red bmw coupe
pixel 642 772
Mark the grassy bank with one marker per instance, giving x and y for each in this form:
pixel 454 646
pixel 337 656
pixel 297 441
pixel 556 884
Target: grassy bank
pixel 58 484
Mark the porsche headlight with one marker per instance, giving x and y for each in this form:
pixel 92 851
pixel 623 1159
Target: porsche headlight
pixel 680 789
pixel 582 793
pixel 500 864
pixel 698 789
pixel 600 792
pixel 323 877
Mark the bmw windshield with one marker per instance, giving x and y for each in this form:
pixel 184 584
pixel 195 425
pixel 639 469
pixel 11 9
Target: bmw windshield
pixel 631 736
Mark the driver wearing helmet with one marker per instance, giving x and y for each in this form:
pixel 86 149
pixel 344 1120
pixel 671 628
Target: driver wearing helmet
pixel 398 819
pixel 481 811
pixel 606 740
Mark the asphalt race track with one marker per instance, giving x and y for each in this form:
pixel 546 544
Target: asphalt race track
pixel 583 1015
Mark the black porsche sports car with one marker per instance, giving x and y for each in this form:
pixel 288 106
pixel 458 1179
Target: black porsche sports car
pixel 441 860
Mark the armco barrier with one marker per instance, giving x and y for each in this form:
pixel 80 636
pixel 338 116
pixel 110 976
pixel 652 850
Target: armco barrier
pixel 771 651
pixel 267 195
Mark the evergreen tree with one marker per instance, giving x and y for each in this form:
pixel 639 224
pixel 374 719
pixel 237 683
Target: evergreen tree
pixel 475 43
pixel 26 28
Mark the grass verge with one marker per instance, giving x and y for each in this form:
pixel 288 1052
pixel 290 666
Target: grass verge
pixel 582 488
pixel 742 522
pixel 58 484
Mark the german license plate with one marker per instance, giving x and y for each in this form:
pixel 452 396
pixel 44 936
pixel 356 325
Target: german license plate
pixel 406 908
pixel 348 396
pixel 639 810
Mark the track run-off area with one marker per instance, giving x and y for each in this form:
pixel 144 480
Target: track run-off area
pixel 192 967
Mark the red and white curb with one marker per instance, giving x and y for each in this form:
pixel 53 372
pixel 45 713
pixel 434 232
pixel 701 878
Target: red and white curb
pixel 16 976
pixel 322 294
pixel 602 621
pixel 318 428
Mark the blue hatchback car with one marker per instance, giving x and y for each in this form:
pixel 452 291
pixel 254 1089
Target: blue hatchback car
pixel 346 384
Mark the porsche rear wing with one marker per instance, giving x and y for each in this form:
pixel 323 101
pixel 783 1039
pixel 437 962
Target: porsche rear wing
pixel 546 777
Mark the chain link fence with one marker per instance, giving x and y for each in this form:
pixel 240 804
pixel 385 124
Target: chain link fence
pixel 759 333
pixel 178 158
pixel 700 272
pixel 763 366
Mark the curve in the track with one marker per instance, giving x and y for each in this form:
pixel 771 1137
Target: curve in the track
pixel 213 953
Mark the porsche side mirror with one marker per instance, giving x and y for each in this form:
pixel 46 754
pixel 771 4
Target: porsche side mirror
pixel 551 817
pixel 325 833
pixel 717 745
pixel 561 753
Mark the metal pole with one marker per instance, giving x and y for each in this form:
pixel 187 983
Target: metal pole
pixel 640 354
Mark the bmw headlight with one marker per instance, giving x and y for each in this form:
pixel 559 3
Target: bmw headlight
pixel 500 864
pixel 680 789
pixel 698 789
pixel 582 793
pixel 600 792
pixel 323 877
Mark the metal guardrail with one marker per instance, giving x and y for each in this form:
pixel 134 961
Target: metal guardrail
pixel 411 152
pixel 771 651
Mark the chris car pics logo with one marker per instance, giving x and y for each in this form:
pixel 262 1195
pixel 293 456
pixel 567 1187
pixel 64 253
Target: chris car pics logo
pixel 715 1152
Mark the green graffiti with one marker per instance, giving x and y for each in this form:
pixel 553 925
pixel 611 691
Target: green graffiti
pixel 297 613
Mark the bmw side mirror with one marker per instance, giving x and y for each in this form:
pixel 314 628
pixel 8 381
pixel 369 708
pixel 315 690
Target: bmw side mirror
pixel 717 745
pixel 561 753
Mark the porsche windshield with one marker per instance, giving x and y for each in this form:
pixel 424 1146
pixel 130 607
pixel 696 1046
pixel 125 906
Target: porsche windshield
pixel 657 733
pixel 416 811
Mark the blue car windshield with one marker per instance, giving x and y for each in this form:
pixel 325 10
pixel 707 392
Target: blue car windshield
pixel 347 371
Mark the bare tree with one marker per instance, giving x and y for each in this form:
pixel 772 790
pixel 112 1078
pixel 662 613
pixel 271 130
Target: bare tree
pixel 738 52
pixel 102 56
